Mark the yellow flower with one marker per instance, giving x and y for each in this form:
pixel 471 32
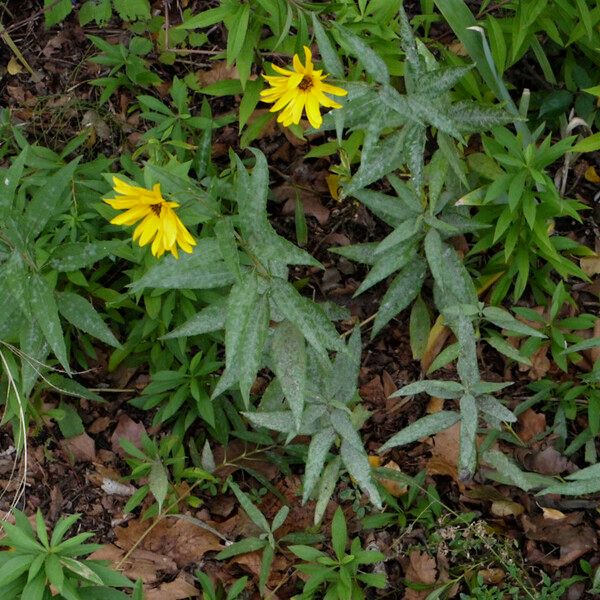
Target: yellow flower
pixel 159 221
pixel 304 88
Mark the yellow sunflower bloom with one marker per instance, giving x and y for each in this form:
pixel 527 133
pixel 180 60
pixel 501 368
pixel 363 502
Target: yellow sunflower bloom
pixel 159 223
pixel 304 88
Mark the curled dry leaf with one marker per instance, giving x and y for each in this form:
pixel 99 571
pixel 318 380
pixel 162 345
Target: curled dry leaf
pixel 531 424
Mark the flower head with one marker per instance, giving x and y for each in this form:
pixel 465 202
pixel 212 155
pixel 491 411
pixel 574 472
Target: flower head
pixel 159 223
pixel 304 88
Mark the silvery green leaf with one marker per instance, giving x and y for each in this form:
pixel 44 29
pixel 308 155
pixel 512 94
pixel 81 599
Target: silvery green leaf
pixel 424 427
pixel 307 316
pixel 573 488
pixel 341 422
pixel 202 269
pixel 489 387
pixel 361 100
pixel 409 47
pixel 330 57
pixel 242 298
pixel 466 365
pixel 210 318
pixel 45 311
pixel 591 472
pixel 78 255
pixel 493 407
pixel 356 462
pixel 441 80
pixel 158 481
pixel 471 117
pixel 50 199
pixel 372 62
pixel 326 487
pixel 318 448
pixel 402 232
pixel 341 385
pixel 468 437
pixel 392 210
pixel 402 291
pixel 415 135
pixel 10 179
pixel 249 352
pixel 35 348
pixel 503 319
pixel 225 235
pixel 288 352
pixel 433 387
pixel 511 473
pixel 388 262
pixel 207 458
pixel 362 253
pixel 282 421
pixel 80 313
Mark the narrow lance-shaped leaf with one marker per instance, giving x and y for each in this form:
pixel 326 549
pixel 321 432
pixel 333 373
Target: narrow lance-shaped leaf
pixel 357 463
pixel 422 428
pixel 468 437
pixel 288 351
pixel 317 453
pixel 79 312
pixel 249 354
pixel 44 308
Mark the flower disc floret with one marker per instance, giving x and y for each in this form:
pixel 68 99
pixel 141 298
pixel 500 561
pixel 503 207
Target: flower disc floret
pixel 159 223
pixel 302 89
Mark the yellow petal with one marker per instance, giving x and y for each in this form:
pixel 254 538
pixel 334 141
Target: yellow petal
pixel 333 90
pixel 131 216
pixel 148 229
pixel 312 111
pixel 282 71
pixel 308 58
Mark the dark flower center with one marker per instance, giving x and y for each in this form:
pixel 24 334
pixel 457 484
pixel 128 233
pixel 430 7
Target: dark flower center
pixel 306 83
pixel 155 208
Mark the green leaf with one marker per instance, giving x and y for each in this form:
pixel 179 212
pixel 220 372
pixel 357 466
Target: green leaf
pixel 585 345
pixel 307 316
pixel 61 528
pixel 203 269
pixel 44 309
pixel 265 568
pixel 493 407
pixel 54 571
pixel 249 353
pixel 339 533
pixel 424 427
pixel 439 388
pixel 11 180
pixel 318 449
pixel 209 319
pixel 131 10
pixel 503 319
pixel 237 32
pixel 41 528
pixel 253 513
pixel 372 62
pixel 419 327
pixel 288 352
pixel 79 312
pixel 307 553
pixel 326 488
pixel 50 199
pixel 357 463
pixel 468 436
pixel 158 482
pixel 81 570
pixel 13 568
pixel 241 547
pixel 71 387
pixel 402 291
pixel 71 424
pixel 331 60
pixel 78 255
pixel 510 471
pixel 55 12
